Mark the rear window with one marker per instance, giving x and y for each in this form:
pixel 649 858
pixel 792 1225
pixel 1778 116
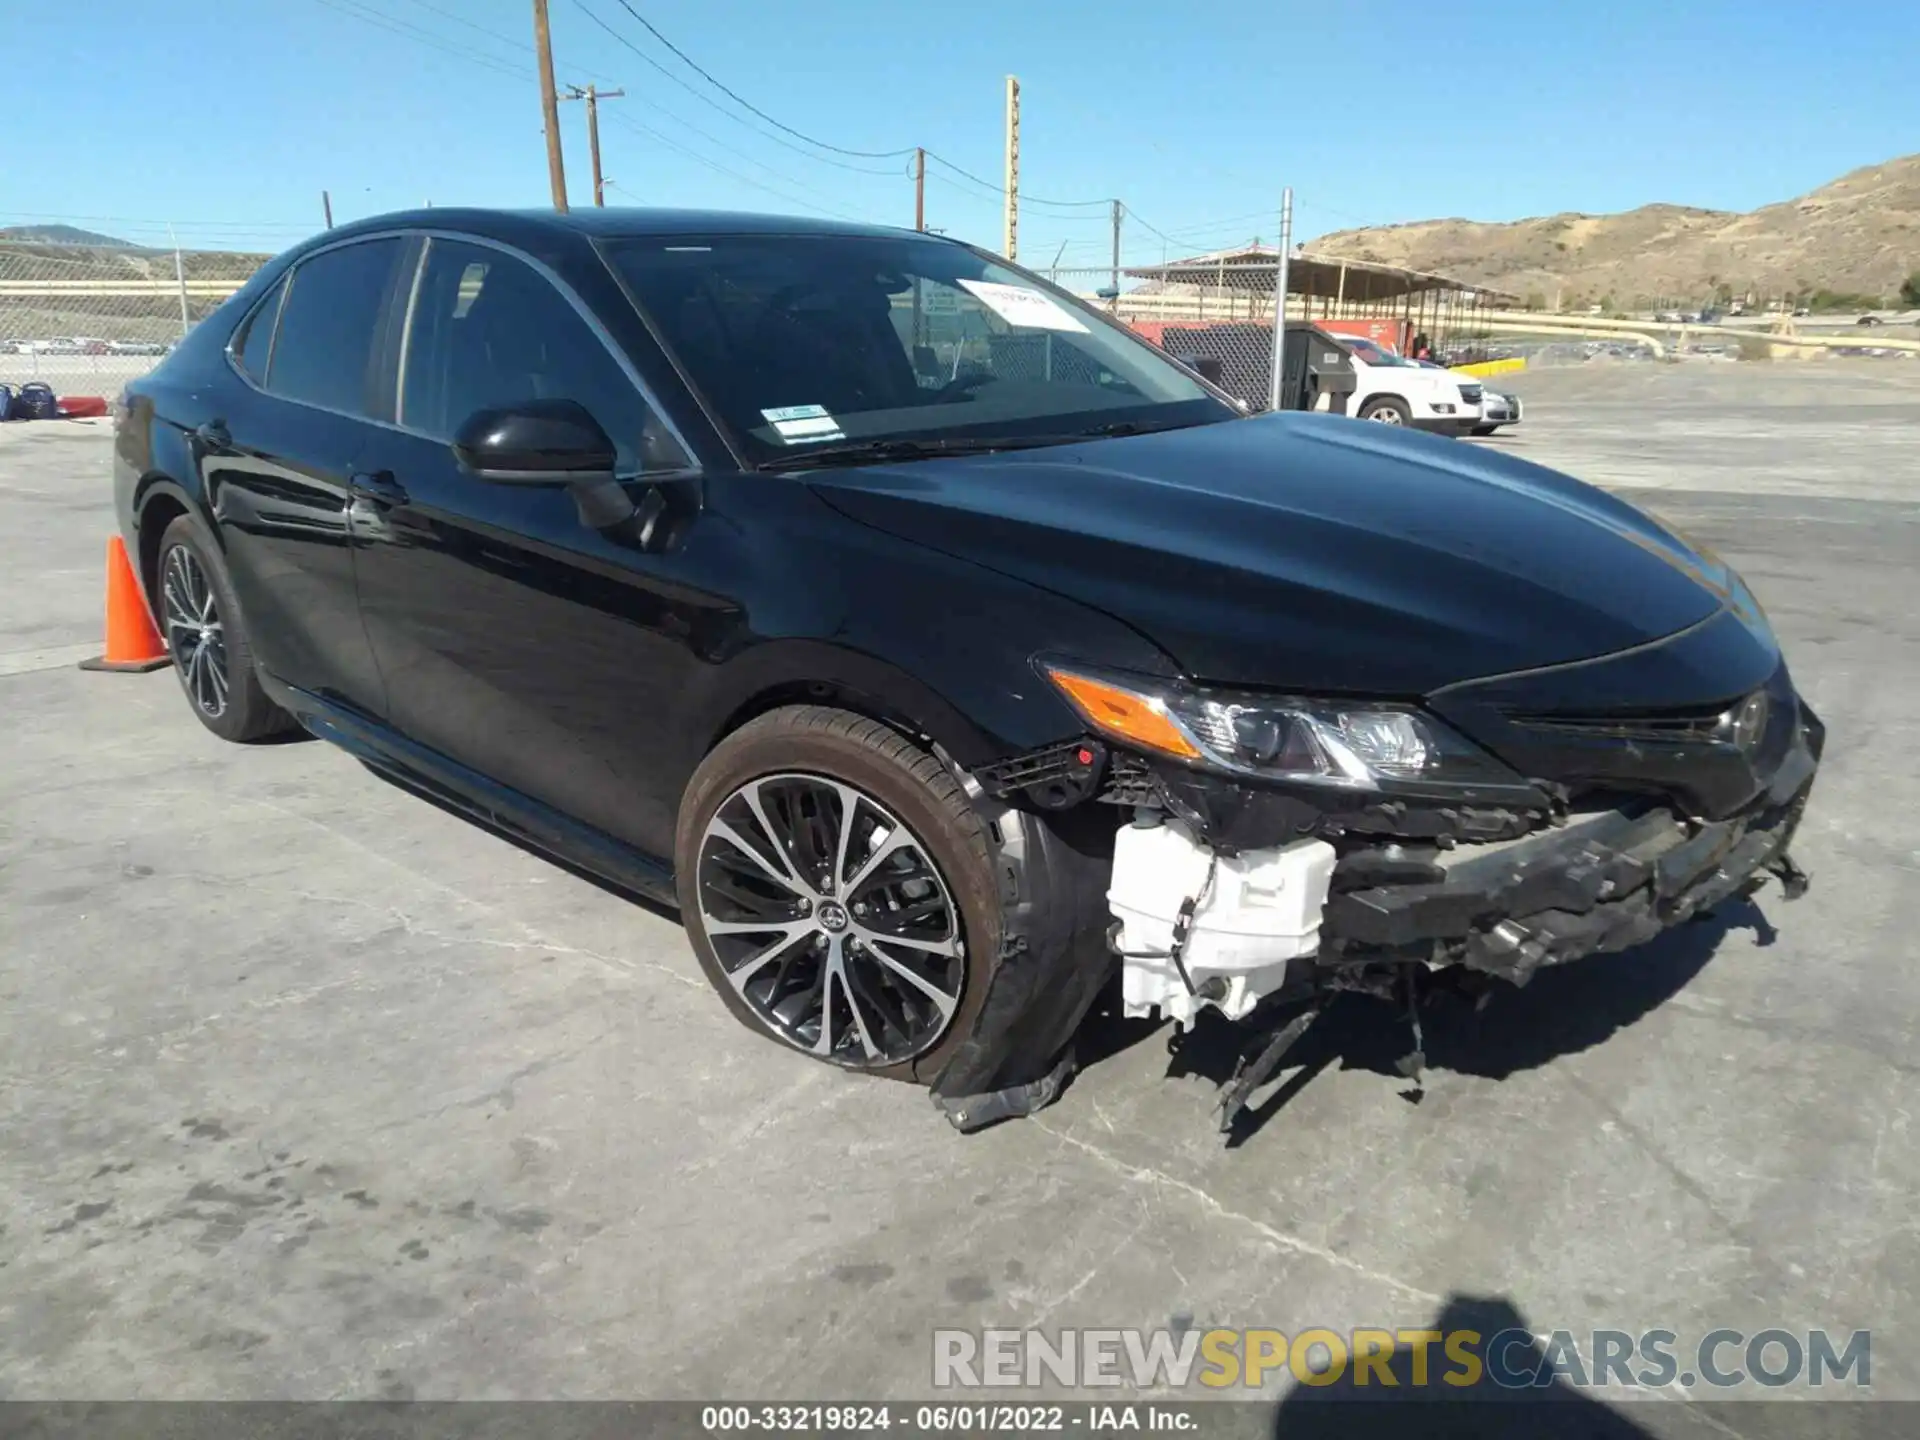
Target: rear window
pixel 324 346
pixel 254 340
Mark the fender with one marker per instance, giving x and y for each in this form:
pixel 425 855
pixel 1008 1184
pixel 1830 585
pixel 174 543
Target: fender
pixel 777 672
pixel 142 539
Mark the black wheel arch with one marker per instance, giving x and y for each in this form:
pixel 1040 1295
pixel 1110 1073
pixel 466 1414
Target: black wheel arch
pixel 157 502
pixel 814 672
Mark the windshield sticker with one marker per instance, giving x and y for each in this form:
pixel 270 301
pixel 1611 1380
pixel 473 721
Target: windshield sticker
pixel 796 424
pixel 1019 306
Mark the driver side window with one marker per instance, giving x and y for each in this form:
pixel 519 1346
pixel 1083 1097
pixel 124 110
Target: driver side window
pixel 489 330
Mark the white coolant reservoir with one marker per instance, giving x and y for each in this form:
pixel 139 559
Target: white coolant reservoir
pixel 1262 910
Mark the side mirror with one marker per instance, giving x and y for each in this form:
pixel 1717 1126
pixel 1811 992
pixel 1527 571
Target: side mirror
pixel 535 442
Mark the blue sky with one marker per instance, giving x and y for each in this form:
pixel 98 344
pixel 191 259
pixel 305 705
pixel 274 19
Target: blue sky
pixel 228 117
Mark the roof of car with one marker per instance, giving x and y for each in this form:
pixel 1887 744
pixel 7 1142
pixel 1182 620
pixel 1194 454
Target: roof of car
pixel 617 221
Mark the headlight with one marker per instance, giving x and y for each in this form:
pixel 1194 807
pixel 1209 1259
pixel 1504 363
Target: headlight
pixel 1362 745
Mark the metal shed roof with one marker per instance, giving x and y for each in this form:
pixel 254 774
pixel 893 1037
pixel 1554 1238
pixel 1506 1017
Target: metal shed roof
pixel 1250 267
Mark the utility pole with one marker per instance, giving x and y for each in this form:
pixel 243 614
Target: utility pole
pixel 326 207
pixel 1114 283
pixel 180 279
pixel 919 187
pixel 593 97
pixel 1012 246
pixel 549 106
pixel 1280 300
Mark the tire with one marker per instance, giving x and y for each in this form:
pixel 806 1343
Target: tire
pixel 1485 429
pixel 1386 410
pixel 189 560
pixel 783 758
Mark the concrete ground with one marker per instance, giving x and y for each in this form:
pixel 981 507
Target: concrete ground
pixel 310 1089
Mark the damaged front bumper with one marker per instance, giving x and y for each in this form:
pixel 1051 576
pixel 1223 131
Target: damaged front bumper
pixel 1497 889
pixel 1601 881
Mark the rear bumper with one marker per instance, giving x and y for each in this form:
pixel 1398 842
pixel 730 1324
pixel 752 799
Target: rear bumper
pixel 1604 881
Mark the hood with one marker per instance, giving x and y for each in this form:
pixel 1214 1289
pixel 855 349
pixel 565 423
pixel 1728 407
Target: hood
pixel 1308 552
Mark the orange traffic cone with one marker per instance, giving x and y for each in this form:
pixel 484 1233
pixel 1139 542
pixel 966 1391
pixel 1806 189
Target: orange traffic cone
pixel 132 642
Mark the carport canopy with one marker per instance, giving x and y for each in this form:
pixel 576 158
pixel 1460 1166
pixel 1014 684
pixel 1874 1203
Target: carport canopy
pixel 1250 268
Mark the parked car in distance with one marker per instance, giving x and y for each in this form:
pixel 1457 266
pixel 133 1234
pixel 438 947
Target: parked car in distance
pixel 1497 411
pixel 1494 411
pixel 907 624
pixel 1394 390
pixel 137 347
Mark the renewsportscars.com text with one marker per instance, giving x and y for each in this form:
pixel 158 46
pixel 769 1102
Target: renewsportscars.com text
pixel 1512 1359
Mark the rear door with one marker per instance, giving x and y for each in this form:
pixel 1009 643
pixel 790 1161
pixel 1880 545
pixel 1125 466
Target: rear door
pixel 517 639
pixel 279 468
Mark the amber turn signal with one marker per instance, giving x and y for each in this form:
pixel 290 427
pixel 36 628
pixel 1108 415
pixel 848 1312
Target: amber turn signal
pixel 1124 714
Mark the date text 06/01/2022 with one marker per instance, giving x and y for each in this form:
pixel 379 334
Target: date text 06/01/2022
pixel 944 1419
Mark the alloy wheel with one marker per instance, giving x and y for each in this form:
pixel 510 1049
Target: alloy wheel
pixel 831 920
pixel 195 633
pixel 1387 415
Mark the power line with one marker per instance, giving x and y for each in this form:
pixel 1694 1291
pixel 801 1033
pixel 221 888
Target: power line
pixel 1025 199
pixel 742 101
pixel 509 40
pixel 714 165
pixel 713 104
pixel 985 199
pixel 395 25
pixel 734 150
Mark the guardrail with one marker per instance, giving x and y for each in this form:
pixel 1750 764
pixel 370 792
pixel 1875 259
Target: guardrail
pixel 1648 332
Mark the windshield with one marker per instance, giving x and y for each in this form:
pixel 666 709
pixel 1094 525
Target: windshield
pixel 804 341
pixel 1369 353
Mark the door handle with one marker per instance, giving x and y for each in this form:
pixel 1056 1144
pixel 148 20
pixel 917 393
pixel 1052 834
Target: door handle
pixel 378 486
pixel 214 435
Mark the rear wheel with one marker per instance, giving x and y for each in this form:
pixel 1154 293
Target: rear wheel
pixel 837 886
pixel 1386 410
pixel 208 639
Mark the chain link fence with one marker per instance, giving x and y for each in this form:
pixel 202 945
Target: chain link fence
pixel 1224 314
pixel 85 318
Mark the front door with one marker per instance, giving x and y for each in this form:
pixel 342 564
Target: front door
pixel 515 637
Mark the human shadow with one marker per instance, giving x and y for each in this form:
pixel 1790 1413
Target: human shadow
pixel 1513 1389
pixel 1562 1010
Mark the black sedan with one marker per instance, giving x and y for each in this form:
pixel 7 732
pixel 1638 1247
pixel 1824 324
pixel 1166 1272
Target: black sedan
pixel 936 645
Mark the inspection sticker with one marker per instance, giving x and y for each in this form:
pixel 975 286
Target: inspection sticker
pixel 795 423
pixel 1019 306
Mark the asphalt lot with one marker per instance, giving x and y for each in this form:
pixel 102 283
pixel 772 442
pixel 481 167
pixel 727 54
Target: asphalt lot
pixel 313 1090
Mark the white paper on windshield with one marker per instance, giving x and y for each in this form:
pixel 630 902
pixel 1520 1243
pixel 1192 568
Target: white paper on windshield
pixel 1018 305
pixel 795 424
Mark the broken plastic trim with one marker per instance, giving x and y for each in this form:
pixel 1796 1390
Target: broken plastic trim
pixel 1052 962
pixel 1603 883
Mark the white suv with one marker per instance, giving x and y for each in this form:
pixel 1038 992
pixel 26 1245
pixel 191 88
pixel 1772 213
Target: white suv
pixel 1392 390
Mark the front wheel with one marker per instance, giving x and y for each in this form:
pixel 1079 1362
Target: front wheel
pixel 838 889
pixel 1387 410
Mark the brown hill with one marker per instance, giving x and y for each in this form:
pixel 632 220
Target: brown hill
pixel 1858 235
